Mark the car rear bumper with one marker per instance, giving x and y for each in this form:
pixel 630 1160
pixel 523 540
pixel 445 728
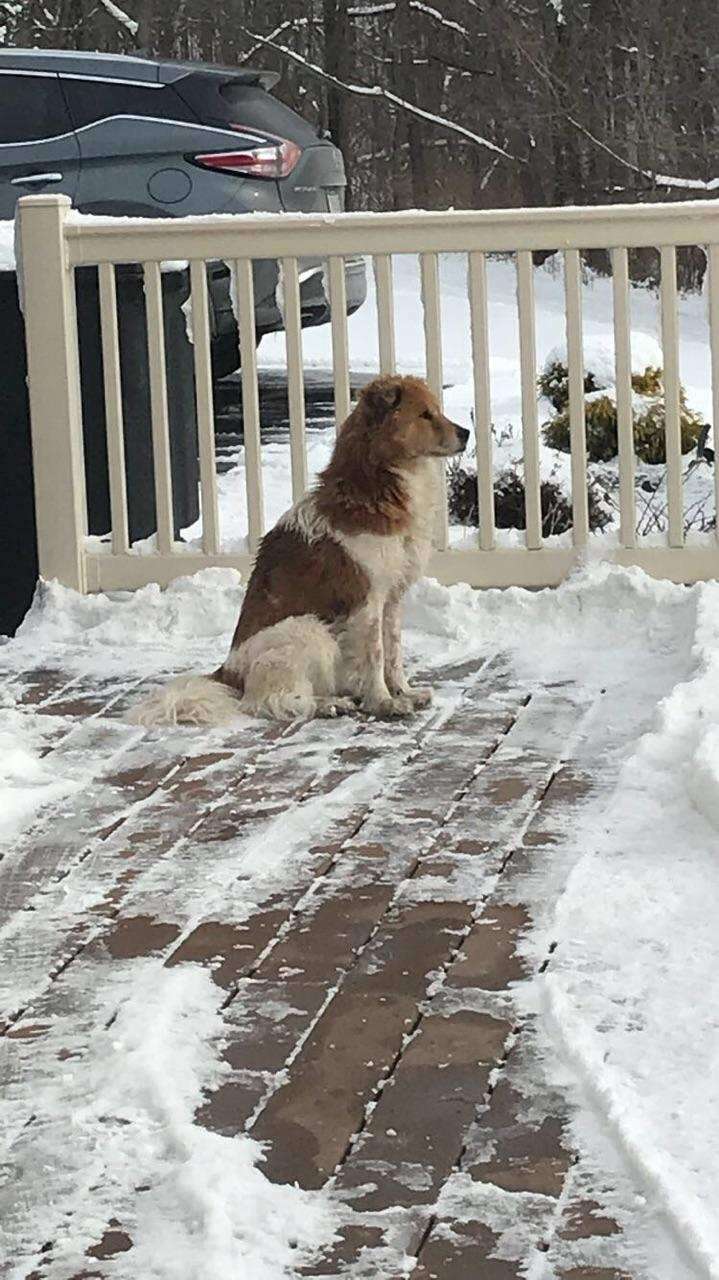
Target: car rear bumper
pixel 314 300
pixel 314 297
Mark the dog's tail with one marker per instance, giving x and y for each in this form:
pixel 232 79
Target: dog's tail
pixel 199 700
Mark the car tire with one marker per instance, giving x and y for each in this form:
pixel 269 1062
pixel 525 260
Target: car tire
pixel 225 355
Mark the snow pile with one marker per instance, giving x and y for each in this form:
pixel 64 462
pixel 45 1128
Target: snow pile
pixel 646 353
pixel 26 781
pixel 151 631
pixel 144 632
pixel 630 1000
pixel 570 632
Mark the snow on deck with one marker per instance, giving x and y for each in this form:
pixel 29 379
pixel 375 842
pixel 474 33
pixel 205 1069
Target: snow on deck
pixel 364 999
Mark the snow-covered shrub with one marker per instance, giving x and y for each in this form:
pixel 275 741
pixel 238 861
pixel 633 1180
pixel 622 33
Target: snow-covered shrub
pixel 600 408
pixel 600 403
pixel 509 511
pixel 553 382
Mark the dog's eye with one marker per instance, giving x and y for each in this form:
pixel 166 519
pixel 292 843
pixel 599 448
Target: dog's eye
pixel 427 415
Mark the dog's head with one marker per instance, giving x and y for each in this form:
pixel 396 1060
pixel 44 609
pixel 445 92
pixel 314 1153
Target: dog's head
pixel 405 421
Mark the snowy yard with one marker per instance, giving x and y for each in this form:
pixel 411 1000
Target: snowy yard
pixel 699 501
pixel 359 999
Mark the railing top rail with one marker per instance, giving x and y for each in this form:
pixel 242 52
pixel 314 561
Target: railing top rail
pixel 232 236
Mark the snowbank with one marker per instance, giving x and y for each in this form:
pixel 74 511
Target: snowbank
pixel 630 1001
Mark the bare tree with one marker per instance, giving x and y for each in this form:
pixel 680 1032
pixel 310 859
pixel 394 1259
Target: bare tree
pixel 469 103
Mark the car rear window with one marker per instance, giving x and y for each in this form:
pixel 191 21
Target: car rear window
pixel 92 100
pixel 32 108
pixel 220 103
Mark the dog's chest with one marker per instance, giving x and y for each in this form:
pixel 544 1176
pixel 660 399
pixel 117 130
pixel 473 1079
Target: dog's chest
pixel 394 562
pixel 384 559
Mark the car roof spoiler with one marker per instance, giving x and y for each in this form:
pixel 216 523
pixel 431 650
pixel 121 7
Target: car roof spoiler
pixel 171 72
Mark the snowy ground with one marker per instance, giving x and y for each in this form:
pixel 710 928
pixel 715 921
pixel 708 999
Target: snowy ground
pixel 504 381
pixel 627 1013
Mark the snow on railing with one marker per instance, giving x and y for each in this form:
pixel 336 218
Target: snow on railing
pixel 55 242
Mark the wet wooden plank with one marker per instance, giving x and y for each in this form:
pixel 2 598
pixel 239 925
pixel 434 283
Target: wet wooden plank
pixel 309 1121
pixel 362 914
pixel 62 888
pixel 234 824
pixel 306 1137
pixel 330 926
pixel 34 687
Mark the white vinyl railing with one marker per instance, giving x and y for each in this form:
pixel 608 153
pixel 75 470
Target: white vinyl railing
pixel 54 243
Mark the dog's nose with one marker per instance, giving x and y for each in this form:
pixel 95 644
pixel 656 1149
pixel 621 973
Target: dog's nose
pixel 462 436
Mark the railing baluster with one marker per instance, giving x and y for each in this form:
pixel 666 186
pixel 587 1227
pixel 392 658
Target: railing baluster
pixel 295 379
pixel 623 379
pixel 577 424
pixel 204 406
pixel 340 342
pixel 670 350
pixel 713 255
pixel 530 419
pixel 113 408
pixel 250 403
pixel 429 267
pixel 482 403
pixel 158 405
pixel 384 288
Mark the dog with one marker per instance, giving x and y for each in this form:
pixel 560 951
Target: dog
pixel 319 632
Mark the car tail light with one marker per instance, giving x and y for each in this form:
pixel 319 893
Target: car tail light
pixel 266 160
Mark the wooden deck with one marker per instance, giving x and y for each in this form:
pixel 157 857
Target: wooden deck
pixel 356 890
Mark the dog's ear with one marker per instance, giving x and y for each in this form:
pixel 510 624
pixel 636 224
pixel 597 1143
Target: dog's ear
pixel 381 397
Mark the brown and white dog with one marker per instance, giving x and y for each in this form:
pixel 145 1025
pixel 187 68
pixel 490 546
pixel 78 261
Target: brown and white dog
pixel 319 628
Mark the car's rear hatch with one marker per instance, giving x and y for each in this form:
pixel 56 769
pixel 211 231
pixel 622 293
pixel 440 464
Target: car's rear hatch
pixel 224 98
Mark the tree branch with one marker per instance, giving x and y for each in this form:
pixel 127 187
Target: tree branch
pixel 376 91
pixel 121 17
pixel 659 180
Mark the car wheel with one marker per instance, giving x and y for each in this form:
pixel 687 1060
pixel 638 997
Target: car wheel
pixel 225 355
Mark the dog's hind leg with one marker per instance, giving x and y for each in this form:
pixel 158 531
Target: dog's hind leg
pixel 289 670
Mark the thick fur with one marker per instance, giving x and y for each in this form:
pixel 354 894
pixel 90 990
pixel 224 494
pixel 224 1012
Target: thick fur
pixel 319 631
pixel 196 700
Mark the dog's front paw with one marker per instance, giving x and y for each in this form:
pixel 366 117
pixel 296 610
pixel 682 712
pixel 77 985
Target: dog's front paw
pixel 419 697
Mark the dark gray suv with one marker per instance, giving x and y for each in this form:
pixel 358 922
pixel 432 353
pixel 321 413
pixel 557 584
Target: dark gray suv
pixel 135 137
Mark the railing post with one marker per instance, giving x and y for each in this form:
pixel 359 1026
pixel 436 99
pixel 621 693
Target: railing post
pixel 47 288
